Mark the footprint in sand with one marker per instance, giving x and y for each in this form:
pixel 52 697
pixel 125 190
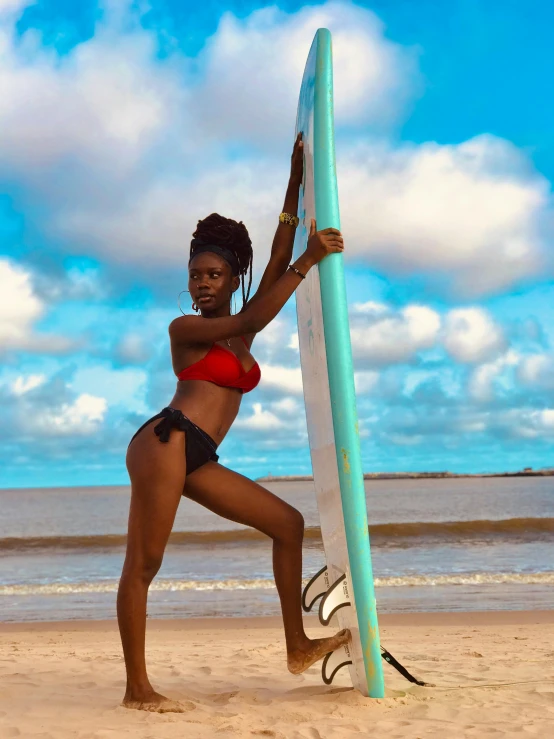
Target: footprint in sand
pixel 313 734
pixel 396 694
pixel 257 697
pixel 11 731
pixel 221 699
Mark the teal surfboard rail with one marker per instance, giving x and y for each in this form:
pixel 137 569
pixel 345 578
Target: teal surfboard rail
pixel 340 370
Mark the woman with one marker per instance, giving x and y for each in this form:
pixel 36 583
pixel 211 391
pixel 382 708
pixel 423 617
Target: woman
pixel 174 453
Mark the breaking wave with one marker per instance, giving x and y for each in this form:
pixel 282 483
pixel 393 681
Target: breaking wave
pixel 528 529
pixel 110 586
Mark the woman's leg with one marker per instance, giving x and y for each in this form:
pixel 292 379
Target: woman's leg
pixel 235 497
pixel 157 473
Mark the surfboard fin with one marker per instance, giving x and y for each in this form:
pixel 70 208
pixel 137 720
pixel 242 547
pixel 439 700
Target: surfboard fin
pixel 333 662
pixel 337 596
pixel 332 598
pixel 316 588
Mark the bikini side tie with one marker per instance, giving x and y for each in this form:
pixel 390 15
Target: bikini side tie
pixel 172 419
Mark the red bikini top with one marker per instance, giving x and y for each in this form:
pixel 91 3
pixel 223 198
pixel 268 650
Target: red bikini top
pixel 223 367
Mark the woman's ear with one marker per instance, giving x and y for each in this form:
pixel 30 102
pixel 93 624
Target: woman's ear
pixel 235 283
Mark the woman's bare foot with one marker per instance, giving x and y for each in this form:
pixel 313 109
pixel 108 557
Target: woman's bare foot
pixel 298 660
pixel 157 703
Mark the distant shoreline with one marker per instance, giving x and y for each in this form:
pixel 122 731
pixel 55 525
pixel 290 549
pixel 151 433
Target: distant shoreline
pixel 413 475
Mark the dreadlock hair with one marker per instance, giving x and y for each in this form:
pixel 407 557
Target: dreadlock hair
pixel 232 236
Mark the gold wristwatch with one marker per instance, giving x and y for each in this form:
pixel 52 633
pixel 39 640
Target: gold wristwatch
pixel 288 218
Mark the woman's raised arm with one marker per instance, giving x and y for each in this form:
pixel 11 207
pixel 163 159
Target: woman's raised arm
pixel 283 241
pixel 198 330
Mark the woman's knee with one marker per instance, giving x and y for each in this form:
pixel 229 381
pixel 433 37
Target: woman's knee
pixel 143 567
pixel 291 528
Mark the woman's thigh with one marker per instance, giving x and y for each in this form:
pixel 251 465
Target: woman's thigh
pixel 239 499
pixel 157 471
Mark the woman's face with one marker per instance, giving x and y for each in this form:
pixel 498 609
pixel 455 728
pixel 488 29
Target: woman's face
pixel 211 282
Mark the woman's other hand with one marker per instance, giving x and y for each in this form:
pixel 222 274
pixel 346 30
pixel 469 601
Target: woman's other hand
pixel 297 162
pixel 322 243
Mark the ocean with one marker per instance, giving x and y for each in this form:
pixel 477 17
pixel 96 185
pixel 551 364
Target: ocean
pixel 437 545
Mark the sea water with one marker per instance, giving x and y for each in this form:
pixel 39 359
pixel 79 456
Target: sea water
pixel 437 544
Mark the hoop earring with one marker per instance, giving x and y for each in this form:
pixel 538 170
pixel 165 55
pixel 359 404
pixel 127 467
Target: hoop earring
pixel 194 306
pixel 179 301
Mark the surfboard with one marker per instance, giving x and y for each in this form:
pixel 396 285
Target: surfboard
pixel 344 585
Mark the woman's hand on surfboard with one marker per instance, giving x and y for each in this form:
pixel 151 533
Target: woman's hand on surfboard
pixel 297 162
pixel 322 243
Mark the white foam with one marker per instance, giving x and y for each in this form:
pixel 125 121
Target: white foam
pixel 110 586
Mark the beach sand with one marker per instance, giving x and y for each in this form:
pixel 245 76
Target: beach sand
pixel 493 674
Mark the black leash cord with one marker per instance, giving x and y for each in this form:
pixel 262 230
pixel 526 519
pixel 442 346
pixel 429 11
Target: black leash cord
pixel 387 656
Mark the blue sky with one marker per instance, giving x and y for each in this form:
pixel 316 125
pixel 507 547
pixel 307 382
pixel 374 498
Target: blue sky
pixel 124 123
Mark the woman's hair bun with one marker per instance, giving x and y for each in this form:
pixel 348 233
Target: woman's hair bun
pixel 231 235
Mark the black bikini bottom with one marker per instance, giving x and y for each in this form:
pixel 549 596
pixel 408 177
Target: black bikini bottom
pixel 199 447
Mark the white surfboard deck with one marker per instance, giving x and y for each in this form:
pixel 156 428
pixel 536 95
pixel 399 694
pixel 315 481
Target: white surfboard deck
pixel 330 402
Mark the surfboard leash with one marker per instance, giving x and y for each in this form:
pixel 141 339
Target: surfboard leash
pixel 387 656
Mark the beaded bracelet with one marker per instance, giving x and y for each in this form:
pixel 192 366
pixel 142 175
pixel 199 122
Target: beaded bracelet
pixel 297 271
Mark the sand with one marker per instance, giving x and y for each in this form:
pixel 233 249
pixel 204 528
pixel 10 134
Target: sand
pixel 493 674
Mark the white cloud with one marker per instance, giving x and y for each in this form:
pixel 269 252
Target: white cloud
pixel 370 307
pixel 471 335
pixel 13 6
pixel 19 306
pixel 294 342
pixel 545 419
pixel 260 420
pixel 133 349
pixel 82 417
pixel 471 213
pixel 538 370
pixel 253 68
pixel 103 104
pixel 415 378
pixel 286 406
pixel 20 309
pixel 286 379
pixel 365 382
pixel 483 378
pixel 137 145
pixel 277 347
pixel 406 439
pixel 532 424
pixel 277 424
pixel 274 334
pixel 123 387
pixel 470 426
pixel 22 385
pixel 387 338
pixel 155 227
pixel 135 142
